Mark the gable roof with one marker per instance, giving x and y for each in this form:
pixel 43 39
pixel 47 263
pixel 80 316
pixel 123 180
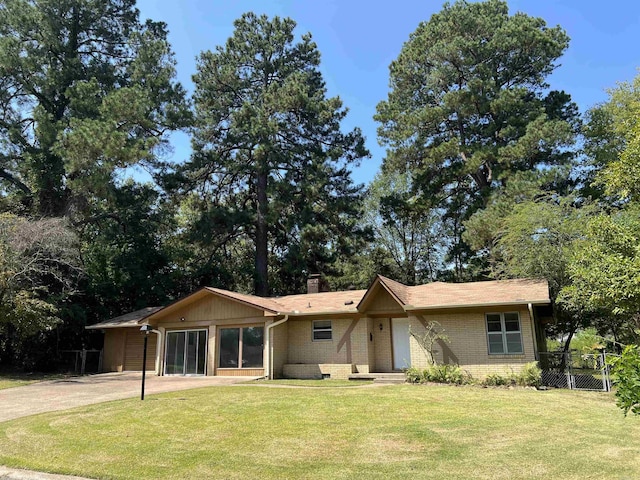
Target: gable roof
pixel 397 290
pixel 262 303
pixel 420 297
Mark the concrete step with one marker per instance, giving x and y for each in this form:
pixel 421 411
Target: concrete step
pixel 390 377
pixel 389 380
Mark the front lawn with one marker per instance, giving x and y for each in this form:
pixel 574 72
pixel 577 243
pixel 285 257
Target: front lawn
pixel 385 432
pixel 329 382
pixel 10 380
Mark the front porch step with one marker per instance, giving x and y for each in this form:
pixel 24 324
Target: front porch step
pixel 389 378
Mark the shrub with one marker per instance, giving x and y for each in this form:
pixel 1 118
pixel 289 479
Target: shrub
pixel 414 375
pixel 451 374
pixel 627 379
pixel 495 380
pixel 529 376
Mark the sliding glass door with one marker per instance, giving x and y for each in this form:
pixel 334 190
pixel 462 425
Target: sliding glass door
pixel 186 352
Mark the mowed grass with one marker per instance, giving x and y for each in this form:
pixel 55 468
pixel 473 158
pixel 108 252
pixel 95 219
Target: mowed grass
pixel 388 432
pixel 314 383
pixel 11 380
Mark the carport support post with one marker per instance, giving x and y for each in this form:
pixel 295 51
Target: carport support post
pixel 145 329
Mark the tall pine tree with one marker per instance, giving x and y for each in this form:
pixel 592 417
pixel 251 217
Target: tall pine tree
pixel 469 106
pixel 269 154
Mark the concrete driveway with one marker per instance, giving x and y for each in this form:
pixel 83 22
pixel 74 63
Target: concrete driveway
pixel 77 391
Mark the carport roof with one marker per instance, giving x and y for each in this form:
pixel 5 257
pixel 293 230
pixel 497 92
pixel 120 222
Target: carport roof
pixel 130 319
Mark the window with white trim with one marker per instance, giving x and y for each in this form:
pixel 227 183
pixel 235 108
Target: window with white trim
pixel 504 335
pixel 322 330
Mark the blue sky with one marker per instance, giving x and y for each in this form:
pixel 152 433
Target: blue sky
pixel 358 40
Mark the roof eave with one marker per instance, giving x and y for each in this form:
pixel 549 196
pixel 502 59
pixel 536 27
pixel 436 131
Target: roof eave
pixel 369 292
pixel 411 308
pixel 244 302
pixel 325 312
pixel 97 326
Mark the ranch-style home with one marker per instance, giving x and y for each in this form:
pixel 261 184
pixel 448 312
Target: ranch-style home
pixel 492 327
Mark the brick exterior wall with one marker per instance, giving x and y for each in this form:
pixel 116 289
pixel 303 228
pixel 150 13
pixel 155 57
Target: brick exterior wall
pixel 280 348
pixel 468 347
pixel 302 348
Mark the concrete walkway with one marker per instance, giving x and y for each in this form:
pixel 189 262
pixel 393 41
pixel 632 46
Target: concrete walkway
pixel 16 474
pixel 77 391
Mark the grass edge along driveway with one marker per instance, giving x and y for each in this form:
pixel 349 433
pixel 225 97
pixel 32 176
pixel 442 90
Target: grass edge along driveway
pixel 386 432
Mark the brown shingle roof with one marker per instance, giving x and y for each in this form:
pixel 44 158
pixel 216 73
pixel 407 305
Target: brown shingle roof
pixel 263 303
pixel 496 292
pixel 429 296
pixel 344 301
pixel 130 319
pixel 397 289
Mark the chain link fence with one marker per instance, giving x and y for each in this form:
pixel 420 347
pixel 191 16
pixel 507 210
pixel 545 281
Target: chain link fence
pixel 576 371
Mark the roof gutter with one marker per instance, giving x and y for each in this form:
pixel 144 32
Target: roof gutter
pixel 269 374
pixel 411 308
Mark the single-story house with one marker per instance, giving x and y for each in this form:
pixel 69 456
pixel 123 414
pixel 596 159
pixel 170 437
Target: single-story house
pixel 492 327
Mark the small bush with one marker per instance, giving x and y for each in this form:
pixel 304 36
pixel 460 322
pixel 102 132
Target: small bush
pixel 495 380
pixel 529 376
pixel 450 374
pixel 414 375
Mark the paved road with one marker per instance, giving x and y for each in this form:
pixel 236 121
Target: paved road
pixel 77 391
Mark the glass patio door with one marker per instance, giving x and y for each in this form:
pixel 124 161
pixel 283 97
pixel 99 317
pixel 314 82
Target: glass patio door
pixel 186 352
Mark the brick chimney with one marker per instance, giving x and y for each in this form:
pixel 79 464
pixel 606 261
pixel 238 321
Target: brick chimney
pixel 316 283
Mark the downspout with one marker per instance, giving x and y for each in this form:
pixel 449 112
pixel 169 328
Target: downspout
pixel 533 331
pixel 158 361
pixel 269 374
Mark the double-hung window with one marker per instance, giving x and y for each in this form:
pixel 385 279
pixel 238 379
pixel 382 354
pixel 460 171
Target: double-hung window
pixel 322 330
pixel 504 335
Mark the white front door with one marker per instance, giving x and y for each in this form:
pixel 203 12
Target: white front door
pixel 400 335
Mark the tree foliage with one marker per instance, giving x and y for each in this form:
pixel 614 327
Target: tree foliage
pixel 40 271
pixel 410 235
pixel 620 139
pixel 627 372
pixel 469 106
pixel 270 163
pixel 86 90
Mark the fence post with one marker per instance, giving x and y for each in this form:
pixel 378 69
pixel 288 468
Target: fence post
pixel 84 361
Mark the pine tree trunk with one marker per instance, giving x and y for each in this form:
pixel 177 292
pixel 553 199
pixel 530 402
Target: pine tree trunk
pixel 261 284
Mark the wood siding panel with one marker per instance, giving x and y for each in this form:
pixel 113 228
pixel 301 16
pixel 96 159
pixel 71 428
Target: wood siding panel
pixel 211 308
pixel 384 302
pixel 113 350
pixel 133 352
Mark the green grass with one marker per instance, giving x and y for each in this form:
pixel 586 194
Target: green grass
pixel 314 383
pixel 388 432
pixel 11 380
